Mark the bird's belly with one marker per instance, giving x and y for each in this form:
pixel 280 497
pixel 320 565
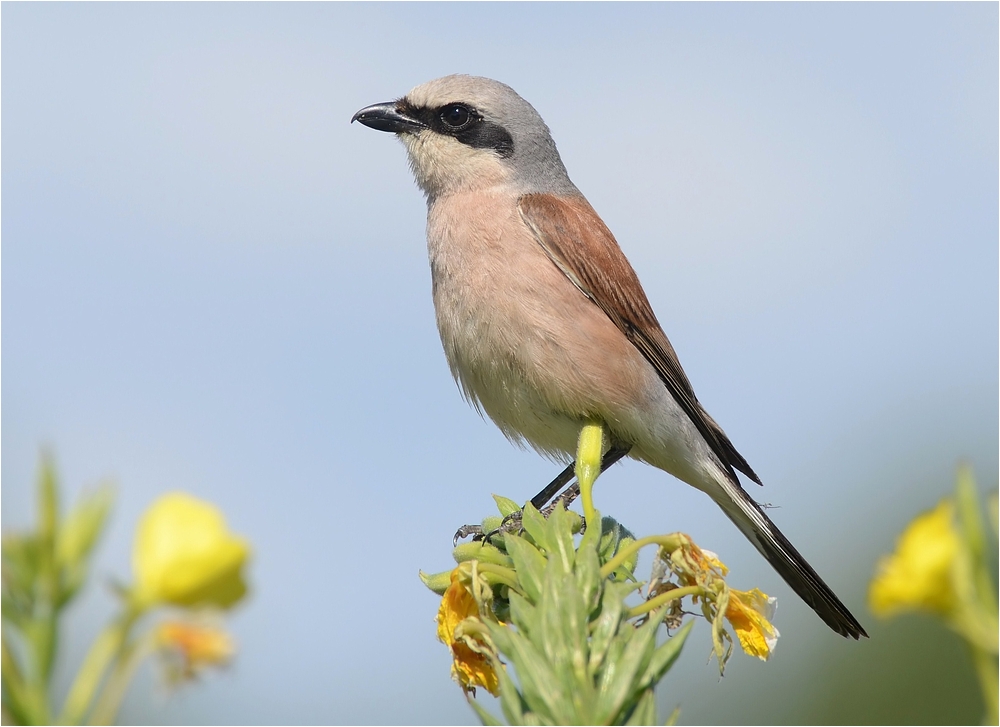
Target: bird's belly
pixel 504 352
pixel 533 353
pixel 517 364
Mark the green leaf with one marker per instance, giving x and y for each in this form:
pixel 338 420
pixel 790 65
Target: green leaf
pixel 674 716
pixel 484 716
pixel 437 582
pixel 21 564
pixel 483 551
pixel 563 638
pixel 970 517
pixel 529 565
pixel 524 615
pixel 505 506
pixel 560 539
pixel 535 526
pixel 557 605
pixel 608 671
pixel 511 701
pixel 48 503
pixel 539 686
pixel 82 527
pixel 644 711
pixel 606 625
pixel 633 661
pixel 665 656
pixel 76 538
pixel 588 576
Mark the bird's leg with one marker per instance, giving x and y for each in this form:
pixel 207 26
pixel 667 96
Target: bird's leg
pixel 552 489
pixel 589 451
pixel 565 498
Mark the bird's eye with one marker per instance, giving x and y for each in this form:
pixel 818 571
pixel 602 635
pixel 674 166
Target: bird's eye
pixel 456 115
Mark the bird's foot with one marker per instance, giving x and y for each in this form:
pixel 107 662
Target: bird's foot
pixel 510 524
pixel 565 499
pixel 476 531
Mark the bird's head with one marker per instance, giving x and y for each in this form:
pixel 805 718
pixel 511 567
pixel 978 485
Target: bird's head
pixel 465 133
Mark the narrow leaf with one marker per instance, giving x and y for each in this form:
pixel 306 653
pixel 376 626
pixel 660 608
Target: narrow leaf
pixel 505 506
pixel 484 716
pixel 665 656
pixel 529 565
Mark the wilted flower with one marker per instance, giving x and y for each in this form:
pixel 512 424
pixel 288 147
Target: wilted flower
pixel 461 629
pixel 700 574
pixel 188 648
pixel 750 614
pixel 919 575
pixel 199 645
pixel 694 566
pixel 185 555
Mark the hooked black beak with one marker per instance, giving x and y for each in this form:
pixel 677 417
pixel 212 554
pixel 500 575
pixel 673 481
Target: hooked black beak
pixel 387 117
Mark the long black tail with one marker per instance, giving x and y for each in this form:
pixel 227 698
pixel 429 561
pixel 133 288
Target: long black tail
pixel 785 559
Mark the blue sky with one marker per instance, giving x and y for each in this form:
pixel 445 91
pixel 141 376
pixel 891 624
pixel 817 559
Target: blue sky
pixel 213 282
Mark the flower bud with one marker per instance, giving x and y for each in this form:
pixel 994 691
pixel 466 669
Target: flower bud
pixel 185 555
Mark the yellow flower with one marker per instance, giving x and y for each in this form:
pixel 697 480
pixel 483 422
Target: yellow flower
pixel 700 574
pixel 184 555
pixel 459 625
pixel 750 613
pixel 919 575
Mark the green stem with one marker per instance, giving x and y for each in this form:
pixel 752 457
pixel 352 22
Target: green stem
pixel 40 634
pixel 13 683
pixel 668 541
pixel 497 573
pixel 108 646
pixel 45 635
pixel 110 700
pixel 672 595
pixel 986 671
pixel 475 628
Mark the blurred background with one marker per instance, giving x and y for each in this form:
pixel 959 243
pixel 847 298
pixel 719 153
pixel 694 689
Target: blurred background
pixel 213 282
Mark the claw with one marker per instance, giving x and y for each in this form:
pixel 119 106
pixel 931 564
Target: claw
pixel 465 531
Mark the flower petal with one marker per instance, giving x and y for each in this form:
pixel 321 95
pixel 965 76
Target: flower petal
pixel 750 613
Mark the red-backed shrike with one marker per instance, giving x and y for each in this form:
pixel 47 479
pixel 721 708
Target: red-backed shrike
pixel 544 323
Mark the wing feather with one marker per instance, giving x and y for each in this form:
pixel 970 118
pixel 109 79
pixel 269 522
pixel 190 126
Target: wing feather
pixel 583 248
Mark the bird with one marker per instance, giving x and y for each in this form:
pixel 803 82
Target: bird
pixel 543 320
